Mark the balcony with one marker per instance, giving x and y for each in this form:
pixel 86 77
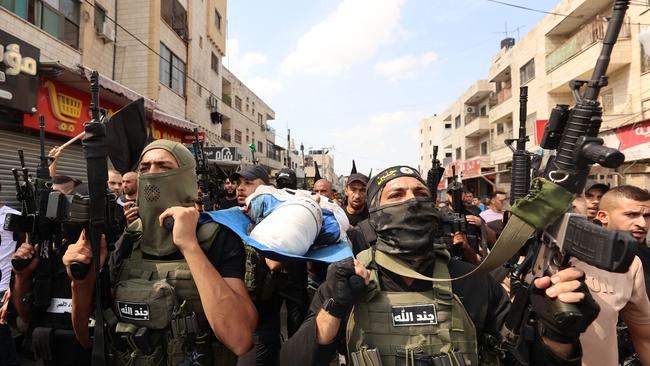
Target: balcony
pixel 503 95
pixel 226 136
pixel 227 99
pixel 477 126
pixel 480 90
pixel 586 37
pixel 499 152
pixel 472 152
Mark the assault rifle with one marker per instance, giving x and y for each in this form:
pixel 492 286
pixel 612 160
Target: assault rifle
pixel 573 134
pixel 520 184
pixel 435 173
pixel 33 195
pixel 203 173
pixel 457 221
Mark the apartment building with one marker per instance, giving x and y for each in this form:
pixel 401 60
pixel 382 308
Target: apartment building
pixel 325 161
pixel 557 50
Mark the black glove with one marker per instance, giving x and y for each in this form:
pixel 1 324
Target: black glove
pixel 346 285
pixel 564 327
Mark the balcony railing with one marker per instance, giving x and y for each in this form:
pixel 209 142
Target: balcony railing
pixel 472 152
pixel 503 95
pixel 225 136
pixel 497 141
pixel 589 34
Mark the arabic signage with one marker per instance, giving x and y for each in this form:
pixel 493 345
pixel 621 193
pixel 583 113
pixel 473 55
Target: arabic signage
pixel 221 153
pixel 472 168
pixel 159 131
pixel 632 140
pixel 18 68
pixel 65 109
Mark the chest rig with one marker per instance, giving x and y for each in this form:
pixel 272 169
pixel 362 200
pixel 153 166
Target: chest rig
pixel 157 317
pixel 410 328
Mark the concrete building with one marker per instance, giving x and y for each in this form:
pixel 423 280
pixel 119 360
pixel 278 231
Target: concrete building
pixel 557 50
pixel 325 162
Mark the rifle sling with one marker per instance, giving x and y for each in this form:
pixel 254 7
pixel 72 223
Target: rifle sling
pixel 514 236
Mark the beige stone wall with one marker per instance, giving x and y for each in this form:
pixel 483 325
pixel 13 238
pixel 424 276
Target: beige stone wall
pixel 51 48
pixel 133 59
pixel 96 52
pixel 624 99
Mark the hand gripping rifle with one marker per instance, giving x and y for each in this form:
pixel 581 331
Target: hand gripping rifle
pixel 572 133
pixel 435 173
pixel 457 220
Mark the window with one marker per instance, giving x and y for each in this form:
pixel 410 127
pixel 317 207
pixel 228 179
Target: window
pixel 247 138
pixel 217 20
pixel 237 136
pixel 260 119
pixel 172 71
pixel 500 129
pixel 457 122
pixel 645 61
pixel 483 111
pixel 59 18
pixel 447 126
pixel 173 13
pixel 484 148
pixel 420 131
pixel 238 102
pixel 429 128
pixel 447 155
pixel 260 147
pixel 214 65
pixel 430 143
pixel 527 72
pixel 421 144
pixel 458 153
pixel 100 18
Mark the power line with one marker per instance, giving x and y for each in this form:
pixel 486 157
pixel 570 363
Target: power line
pixel 172 65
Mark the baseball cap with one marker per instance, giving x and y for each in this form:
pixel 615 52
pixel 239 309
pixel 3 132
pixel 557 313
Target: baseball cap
pixel 286 176
pixel 357 177
pixel 593 184
pixel 251 172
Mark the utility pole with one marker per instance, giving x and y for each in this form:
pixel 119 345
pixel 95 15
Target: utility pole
pixel 289 148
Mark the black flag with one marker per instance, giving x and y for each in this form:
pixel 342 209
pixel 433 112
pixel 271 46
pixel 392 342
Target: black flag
pixel 354 168
pixel 127 135
pixel 370 174
pixel 316 172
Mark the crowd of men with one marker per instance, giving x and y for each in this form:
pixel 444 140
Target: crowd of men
pixel 196 294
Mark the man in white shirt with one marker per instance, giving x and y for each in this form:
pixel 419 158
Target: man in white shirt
pixel 8 355
pixel 496 207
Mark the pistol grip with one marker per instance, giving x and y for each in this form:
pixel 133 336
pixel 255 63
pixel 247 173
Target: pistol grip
pixel 79 270
pixel 565 313
pixel 20 263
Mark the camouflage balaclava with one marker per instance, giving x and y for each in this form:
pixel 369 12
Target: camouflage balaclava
pixel 160 191
pixel 405 229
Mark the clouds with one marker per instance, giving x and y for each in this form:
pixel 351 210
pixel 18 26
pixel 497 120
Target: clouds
pixel 384 139
pixel 349 36
pixel 247 66
pixel 405 66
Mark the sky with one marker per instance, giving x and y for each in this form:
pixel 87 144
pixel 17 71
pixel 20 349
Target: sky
pixel 358 76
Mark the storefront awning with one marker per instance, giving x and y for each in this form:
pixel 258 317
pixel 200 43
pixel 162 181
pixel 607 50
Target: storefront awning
pixel 170 120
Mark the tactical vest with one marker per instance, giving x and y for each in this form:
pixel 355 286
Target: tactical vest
pixel 157 317
pixel 410 328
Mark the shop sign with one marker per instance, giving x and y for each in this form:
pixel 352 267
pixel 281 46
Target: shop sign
pixel 18 69
pixel 472 168
pixel 632 140
pixel 540 125
pixel 221 153
pixel 159 131
pixel 189 138
pixel 65 109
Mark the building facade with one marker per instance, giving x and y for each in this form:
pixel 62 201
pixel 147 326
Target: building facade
pixel 557 50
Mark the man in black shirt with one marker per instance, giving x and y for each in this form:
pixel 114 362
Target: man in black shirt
pixel 401 211
pixel 355 191
pixel 213 255
pixel 230 194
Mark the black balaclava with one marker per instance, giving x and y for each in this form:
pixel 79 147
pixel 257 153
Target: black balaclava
pixel 405 229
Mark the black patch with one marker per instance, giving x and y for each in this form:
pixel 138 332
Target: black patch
pixel 413 315
pixel 133 310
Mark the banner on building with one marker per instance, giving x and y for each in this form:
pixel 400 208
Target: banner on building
pixel 18 73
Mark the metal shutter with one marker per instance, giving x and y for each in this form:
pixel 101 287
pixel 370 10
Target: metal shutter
pixel 71 161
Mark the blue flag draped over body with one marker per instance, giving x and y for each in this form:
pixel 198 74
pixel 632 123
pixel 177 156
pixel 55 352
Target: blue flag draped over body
pixel 238 222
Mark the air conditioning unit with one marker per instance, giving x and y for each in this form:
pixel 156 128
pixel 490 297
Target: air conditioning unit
pixel 212 102
pixel 470 110
pixel 108 32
